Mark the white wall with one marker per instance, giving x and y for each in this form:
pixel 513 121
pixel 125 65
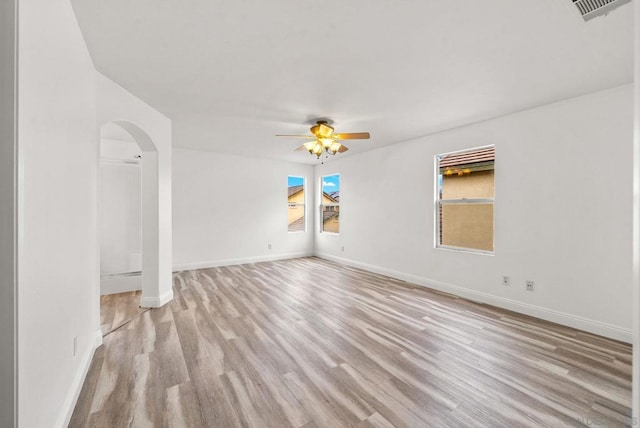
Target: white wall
pixel 119 150
pixel 227 209
pixel 636 218
pixel 119 205
pixel 152 132
pixel 58 96
pixel 562 212
pixel 8 37
pixel 120 225
pixel 57 237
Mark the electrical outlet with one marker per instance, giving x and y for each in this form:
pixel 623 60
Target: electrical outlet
pixel 75 345
pixel 505 280
pixel 342 248
pixel 529 285
pixel 269 246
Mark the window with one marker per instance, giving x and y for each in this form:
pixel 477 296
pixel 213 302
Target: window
pixel 330 205
pixel 296 204
pixel 464 199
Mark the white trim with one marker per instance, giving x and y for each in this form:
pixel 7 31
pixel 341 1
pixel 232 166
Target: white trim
pixel 17 201
pixel 76 386
pixel 585 324
pixel 156 302
pixel 98 338
pixel 472 149
pixel 465 250
pixel 120 162
pixel 467 201
pixel 238 261
pixel 120 275
pixel 112 284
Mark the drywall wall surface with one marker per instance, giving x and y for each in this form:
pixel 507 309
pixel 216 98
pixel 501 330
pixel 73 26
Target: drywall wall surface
pixel 119 218
pixel 562 212
pixel 119 208
pixel 152 132
pixel 228 209
pixel 57 236
pixel 8 179
pixel 119 150
pixel 635 404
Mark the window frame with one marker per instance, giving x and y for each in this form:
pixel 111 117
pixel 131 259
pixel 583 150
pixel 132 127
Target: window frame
pixel 438 202
pixel 297 204
pixel 322 205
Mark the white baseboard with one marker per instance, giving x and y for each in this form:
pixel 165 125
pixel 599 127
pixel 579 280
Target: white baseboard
pixel 238 261
pixel 120 284
pixel 76 386
pixel 98 338
pixel 569 320
pixel 156 302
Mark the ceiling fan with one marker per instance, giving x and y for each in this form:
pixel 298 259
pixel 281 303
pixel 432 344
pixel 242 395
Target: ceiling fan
pixel 325 139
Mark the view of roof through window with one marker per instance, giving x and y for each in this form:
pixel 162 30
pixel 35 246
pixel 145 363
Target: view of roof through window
pixel 331 203
pixel 295 188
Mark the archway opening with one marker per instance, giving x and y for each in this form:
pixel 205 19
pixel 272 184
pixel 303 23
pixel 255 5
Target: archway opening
pixel 120 211
pixel 128 213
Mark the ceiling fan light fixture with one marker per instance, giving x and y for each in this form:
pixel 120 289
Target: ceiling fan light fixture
pixel 334 147
pixel 317 149
pixel 326 140
pixel 322 130
pixel 309 146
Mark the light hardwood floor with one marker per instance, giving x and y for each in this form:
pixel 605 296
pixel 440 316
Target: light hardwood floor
pixel 310 343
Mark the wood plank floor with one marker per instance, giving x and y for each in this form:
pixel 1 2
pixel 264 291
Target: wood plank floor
pixel 310 343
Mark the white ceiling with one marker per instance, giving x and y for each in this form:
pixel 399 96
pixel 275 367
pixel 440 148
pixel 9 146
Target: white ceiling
pixel 232 73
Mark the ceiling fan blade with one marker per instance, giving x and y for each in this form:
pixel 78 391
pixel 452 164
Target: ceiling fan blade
pixel 296 136
pixel 299 149
pixel 343 149
pixel 352 136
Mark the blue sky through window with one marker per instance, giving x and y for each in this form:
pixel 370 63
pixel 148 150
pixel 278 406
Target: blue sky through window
pixel 295 181
pixel 331 184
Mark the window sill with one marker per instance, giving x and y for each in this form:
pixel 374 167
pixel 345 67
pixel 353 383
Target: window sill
pixel 465 250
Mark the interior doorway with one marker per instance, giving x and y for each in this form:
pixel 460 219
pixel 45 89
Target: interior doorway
pixel 120 211
pixel 128 195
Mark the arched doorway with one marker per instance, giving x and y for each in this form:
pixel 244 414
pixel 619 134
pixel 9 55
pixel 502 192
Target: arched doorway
pixel 128 206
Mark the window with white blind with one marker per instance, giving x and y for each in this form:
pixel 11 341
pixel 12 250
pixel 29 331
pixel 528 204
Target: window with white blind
pixel 465 199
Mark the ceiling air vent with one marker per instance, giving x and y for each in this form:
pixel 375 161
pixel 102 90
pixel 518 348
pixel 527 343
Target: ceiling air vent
pixel 589 9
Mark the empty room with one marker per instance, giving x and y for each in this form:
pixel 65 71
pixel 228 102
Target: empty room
pixel 320 214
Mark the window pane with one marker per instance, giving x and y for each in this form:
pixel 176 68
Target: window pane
pixel 467 226
pixel 296 189
pixel 458 183
pixel 295 218
pixel 331 219
pixel 295 181
pixel 331 189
